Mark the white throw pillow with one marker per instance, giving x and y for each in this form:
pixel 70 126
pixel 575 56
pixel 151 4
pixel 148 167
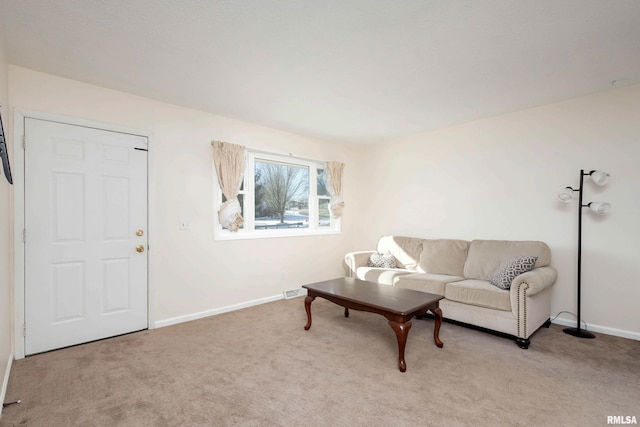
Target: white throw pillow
pixel 385 260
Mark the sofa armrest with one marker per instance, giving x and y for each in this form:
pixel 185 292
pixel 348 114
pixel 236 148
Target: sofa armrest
pixel 353 260
pixel 531 299
pixel 538 280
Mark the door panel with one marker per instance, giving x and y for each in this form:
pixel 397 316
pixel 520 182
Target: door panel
pixel 85 198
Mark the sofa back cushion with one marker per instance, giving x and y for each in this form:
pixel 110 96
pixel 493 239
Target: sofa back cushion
pixel 406 250
pixel 485 257
pixel 443 256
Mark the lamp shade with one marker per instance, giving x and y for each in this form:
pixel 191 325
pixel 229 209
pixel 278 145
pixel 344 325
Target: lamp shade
pixel 600 208
pixel 599 177
pixel 566 195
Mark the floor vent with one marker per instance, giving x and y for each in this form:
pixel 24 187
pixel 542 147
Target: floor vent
pixel 294 293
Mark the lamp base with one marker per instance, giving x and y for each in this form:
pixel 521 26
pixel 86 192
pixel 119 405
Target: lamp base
pixel 580 333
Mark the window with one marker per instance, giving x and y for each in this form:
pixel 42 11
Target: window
pixel 280 196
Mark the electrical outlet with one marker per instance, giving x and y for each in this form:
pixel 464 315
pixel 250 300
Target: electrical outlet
pixel 184 224
pixel 283 275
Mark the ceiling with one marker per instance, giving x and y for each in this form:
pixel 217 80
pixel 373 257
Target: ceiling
pixel 357 71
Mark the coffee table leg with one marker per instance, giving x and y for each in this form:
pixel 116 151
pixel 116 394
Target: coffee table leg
pixel 437 315
pixel 346 312
pixel 307 306
pixel 401 330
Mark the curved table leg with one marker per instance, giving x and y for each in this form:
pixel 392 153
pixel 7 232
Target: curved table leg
pixel 437 315
pixel 401 330
pixel 307 306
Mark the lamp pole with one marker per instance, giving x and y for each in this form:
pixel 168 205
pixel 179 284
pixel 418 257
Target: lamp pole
pixel 578 331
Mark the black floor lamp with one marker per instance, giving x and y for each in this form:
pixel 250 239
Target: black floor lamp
pixel 599 178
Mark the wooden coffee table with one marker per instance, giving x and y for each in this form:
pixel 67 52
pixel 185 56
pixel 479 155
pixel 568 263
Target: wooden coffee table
pixel 398 305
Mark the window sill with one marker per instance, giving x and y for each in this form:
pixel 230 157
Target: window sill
pixel 271 234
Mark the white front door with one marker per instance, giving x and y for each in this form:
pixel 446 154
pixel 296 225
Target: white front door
pixel 85 234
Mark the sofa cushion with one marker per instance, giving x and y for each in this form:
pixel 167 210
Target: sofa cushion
pixel 383 276
pixel 479 293
pixel 487 256
pixel 443 256
pixel 511 269
pixel 425 282
pixel 406 250
pixel 382 260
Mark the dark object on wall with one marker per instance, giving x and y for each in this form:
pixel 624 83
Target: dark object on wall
pixel 4 155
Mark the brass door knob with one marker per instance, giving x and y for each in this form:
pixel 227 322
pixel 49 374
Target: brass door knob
pixel 140 248
pixel 139 233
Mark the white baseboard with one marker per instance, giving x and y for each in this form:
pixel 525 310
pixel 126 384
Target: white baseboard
pixel 602 329
pixel 207 313
pixel 5 382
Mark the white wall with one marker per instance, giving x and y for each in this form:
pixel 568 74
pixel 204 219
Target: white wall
pixel 6 312
pixel 498 178
pixel 191 272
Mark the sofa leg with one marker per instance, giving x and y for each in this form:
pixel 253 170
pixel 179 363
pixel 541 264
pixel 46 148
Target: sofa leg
pixel 547 324
pixel 523 343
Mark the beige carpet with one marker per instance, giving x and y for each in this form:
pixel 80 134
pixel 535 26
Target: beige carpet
pixel 258 367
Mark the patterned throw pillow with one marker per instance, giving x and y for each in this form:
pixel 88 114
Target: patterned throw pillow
pixel 508 271
pixel 385 260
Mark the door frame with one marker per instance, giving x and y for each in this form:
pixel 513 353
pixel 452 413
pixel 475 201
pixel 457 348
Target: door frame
pixel 19 116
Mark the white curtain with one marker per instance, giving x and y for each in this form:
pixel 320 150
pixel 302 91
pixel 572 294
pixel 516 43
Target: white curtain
pixel 334 187
pixel 229 162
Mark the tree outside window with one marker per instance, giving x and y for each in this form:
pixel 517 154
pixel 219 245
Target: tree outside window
pixel 282 194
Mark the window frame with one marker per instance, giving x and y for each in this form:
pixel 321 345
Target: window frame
pixel 248 230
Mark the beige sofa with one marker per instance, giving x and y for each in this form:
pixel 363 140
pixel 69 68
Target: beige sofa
pixel 460 271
